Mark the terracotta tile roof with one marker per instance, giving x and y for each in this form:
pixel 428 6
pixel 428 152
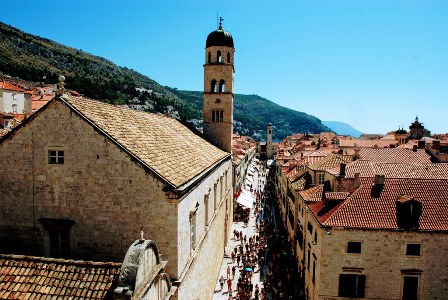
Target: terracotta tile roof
pixel 337 195
pixel 36 104
pixel 299 184
pixel 395 155
pixel 379 143
pixel 6 85
pixel 367 168
pixel 164 144
pixel 361 210
pixel 313 194
pixel 330 162
pixel 27 277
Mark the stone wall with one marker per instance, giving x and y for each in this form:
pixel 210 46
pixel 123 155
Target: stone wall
pixel 109 197
pixel 382 260
pixel 199 267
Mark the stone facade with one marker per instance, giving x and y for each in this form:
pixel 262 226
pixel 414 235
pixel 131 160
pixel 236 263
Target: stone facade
pixel 269 146
pixel 108 198
pixel 383 262
pixel 218 95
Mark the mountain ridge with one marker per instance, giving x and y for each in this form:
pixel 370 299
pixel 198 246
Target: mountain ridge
pixel 33 58
pixel 342 128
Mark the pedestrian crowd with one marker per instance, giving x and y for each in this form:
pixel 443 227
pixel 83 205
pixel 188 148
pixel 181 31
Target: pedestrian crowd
pixel 267 252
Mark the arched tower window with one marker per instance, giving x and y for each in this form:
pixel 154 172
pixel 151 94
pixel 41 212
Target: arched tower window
pixel 219 57
pixel 228 57
pixel 213 86
pixel 217 116
pixel 222 86
pixel 209 57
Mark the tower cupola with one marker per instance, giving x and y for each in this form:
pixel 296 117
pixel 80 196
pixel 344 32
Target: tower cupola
pixel 219 37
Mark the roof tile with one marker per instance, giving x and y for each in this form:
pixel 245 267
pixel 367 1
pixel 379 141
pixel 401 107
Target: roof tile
pixel 46 283
pixel 171 149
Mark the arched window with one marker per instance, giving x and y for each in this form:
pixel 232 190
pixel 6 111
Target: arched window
pixel 222 86
pixel 217 116
pixel 219 57
pixel 209 57
pixel 213 86
pixel 228 57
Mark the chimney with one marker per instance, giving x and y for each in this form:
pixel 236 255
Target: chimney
pixel 378 186
pixel 342 170
pixel 414 148
pixel 408 212
pixel 356 155
pixel 436 145
pixel 421 144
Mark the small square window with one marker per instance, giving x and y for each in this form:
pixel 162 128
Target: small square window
pixel 413 249
pixel 354 247
pixel 55 156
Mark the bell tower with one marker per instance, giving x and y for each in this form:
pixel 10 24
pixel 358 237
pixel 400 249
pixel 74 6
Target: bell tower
pixel 218 88
pixel 269 147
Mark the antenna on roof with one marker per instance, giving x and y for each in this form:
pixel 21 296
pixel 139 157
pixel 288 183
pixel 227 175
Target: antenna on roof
pixel 216 19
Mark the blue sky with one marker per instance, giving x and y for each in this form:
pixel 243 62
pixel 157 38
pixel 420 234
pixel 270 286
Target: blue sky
pixel 372 64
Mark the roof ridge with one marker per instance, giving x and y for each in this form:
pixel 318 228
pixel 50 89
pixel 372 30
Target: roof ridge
pixel 60 260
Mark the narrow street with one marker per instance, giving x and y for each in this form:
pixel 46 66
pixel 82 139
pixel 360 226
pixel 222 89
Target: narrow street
pixel 262 265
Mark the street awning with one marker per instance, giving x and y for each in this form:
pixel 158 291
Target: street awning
pixel 243 201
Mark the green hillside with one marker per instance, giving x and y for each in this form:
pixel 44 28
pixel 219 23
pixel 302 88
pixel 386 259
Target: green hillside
pixel 37 59
pixel 253 113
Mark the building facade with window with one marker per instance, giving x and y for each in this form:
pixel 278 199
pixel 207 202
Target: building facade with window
pixel 375 241
pixel 81 179
pixel 12 98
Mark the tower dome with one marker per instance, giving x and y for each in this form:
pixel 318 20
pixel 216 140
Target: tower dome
pixel 219 37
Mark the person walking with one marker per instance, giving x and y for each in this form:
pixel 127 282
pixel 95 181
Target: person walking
pixel 229 286
pixel 221 282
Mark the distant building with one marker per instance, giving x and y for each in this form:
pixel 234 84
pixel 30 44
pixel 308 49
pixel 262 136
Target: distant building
pixel 267 150
pixel 12 98
pixel 417 130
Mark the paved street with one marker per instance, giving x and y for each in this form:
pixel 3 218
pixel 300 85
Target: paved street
pixel 250 231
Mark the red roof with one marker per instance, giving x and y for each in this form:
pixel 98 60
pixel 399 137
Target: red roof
pixel 367 168
pixel 27 277
pixel 6 85
pixel 361 210
pixel 395 155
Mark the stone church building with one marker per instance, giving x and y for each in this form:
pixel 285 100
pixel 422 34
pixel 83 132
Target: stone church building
pixel 81 179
